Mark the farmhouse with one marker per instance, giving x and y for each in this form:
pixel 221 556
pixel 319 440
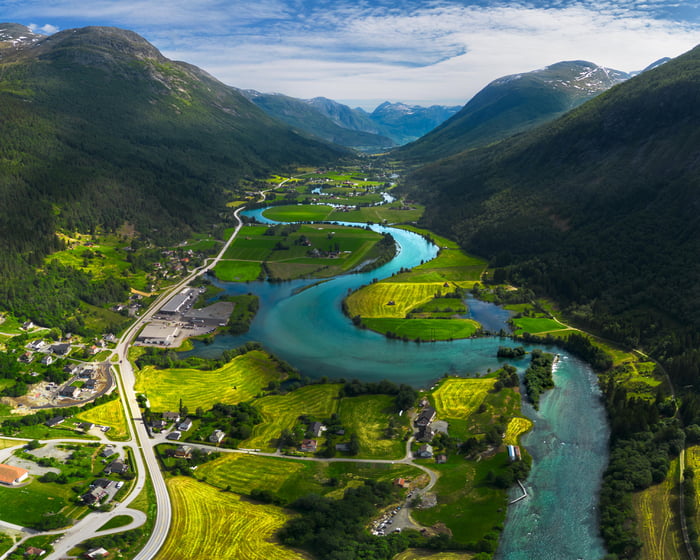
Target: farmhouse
pixel 309 445
pixel 61 349
pixel 425 451
pixel 174 435
pixel 96 553
pixel 55 421
pixel 34 551
pixel 315 428
pixel 116 467
pixel 171 416
pixel 94 496
pixel 47 360
pixel 183 452
pixel 185 425
pixel 108 451
pixel 10 476
pixel 426 416
pixel 217 436
pixel 86 426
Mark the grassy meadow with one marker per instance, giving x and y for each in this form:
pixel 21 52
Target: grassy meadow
pixel 222 524
pixel 372 301
pixel 282 411
pixel 109 414
pixel 419 554
pixel 517 426
pixel 658 525
pixel 240 380
pixel 425 329
pixel 368 417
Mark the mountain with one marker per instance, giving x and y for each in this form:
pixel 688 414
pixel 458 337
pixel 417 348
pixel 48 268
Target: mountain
pixel 513 104
pixel 99 128
pixel 344 116
pixel 405 123
pixel 599 207
pixel 14 36
pixel 305 116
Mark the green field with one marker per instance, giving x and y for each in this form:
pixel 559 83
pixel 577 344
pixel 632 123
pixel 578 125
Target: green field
pixel 282 411
pixel 115 522
pixel 237 271
pixel 658 526
pixel 222 524
pixel 466 504
pixel 392 214
pixel 373 301
pixel 458 398
pixel 321 250
pixel 435 238
pixel 451 265
pixel 417 554
pixel 368 417
pixel 25 505
pixel 240 380
pixel 108 414
pixel 537 325
pixel 425 329
pixel 298 213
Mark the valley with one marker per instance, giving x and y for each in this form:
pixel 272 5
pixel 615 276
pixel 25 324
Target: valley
pixel 224 327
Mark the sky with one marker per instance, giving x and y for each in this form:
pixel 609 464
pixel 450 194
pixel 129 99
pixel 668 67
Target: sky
pixel 364 52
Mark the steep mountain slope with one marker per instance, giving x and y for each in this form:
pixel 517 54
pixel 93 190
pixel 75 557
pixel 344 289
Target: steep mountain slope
pixel 600 207
pixel 99 128
pixel 405 123
pixel 305 116
pixel 344 116
pixel 14 36
pixel 512 104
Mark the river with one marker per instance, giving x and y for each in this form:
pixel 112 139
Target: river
pixel 302 322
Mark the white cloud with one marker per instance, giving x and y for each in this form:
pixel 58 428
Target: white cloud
pixel 46 29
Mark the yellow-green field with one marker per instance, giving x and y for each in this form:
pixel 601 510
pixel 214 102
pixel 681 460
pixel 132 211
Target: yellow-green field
pixel 243 473
pixel 459 398
pixel 368 417
pixel 516 427
pixel 282 411
pixel 373 300
pixel 692 460
pixel 109 414
pixel 417 554
pixel 5 443
pixel 239 380
pixel 658 527
pixel 222 524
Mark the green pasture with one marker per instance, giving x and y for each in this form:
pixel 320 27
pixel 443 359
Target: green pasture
pixel 237 271
pixel 450 265
pixel 537 325
pixel 422 554
pixel 25 505
pixel 425 329
pixel 10 324
pixel 368 417
pixel 392 214
pixel 446 305
pixel 282 411
pixel 240 380
pixel 298 213
pixel 466 503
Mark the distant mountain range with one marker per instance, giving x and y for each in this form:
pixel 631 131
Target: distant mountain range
pixel 99 128
pixel 389 125
pixel 515 103
pixel 599 207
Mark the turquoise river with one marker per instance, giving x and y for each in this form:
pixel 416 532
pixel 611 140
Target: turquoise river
pixel 302 323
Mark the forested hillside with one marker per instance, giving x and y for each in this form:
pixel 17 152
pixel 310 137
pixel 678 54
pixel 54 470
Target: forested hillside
pixel 599 208
pixel 100 129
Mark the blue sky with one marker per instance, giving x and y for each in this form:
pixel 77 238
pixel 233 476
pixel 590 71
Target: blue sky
pixel 363 52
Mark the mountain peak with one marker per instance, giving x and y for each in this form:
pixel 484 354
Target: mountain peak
pixel 14 36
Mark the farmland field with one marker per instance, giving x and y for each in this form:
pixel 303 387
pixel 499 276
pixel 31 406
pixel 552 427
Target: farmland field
pixel 298 213
pixel 466 504
pixel 373 300
pixel 282 411
pixel 537 325
pixel 26 504
pixel 451 265
pixel 425 329
pixel 108 414
pixel 377 214
pixel 368 416
pixel 239 380
pixel 658 526
pixel 458 398
pixel 516 427
pixel 222 524
pixel 237 271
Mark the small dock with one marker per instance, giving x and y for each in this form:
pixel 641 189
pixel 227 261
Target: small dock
pixel 519 498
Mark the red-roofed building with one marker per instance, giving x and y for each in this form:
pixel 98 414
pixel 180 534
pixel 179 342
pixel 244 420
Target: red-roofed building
pixel 10 475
